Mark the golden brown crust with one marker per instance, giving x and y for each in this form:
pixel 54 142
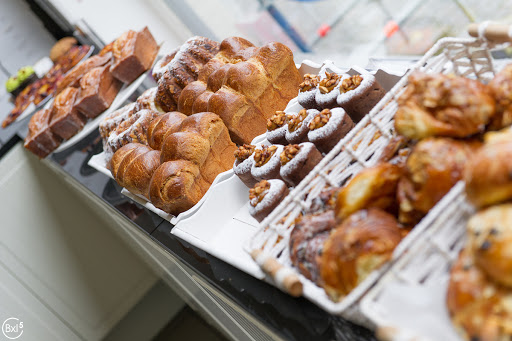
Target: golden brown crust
pixel 73 77
pixel 480 309
pixel 162 126
pixel 138 173
pixel 441 105
pixel 490 241
pixel 118 157
pixel 434 166
pixel 372 187
pixel 501 89
pixel 488 174
pixel 361 244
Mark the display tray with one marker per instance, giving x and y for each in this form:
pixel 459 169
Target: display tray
pixel 33 108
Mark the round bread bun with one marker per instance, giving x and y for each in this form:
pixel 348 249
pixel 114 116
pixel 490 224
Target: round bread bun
pixel 62 46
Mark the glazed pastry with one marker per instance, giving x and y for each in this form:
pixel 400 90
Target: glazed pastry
pixel 298 126
pixel 307 242
pixel 372 187
pixel 265 196
pixel 488 172
pixel 307 91
pixel 441 105
pixel 267 162
pixel 98 89
pixel 434 166
pixel 134 53
pixel 162 126
pixel 66 121
pixel 361 244
pixel 328 127
pixel 479 308
pixel 501 90
pixel 359 94
pixel 147 100
pixel 244 160
pixel 277 126
pixel 40 140
pixel 490 237
pixel 297 160
pixel 328 90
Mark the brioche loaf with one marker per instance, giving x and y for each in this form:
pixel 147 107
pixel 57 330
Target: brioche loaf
pixel 244 85
pixel 162 126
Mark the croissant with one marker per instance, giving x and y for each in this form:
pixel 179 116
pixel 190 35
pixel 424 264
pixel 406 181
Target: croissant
pixel 441 105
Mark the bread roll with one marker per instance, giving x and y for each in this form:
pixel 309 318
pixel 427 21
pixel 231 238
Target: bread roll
pixel 162 126
pixel 490 240
pixel 118 157
pixel 119 164
pixel 361 244
pixel 441 105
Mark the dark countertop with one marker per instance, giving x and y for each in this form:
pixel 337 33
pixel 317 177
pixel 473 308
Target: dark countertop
pixel 292 318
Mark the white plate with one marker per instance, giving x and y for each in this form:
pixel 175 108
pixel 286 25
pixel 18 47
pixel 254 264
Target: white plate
pixel 125 92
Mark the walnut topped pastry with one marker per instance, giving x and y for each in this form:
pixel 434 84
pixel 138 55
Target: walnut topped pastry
pixel 298 126
pixel 265 196
pixel 277 125
pixel 297 160
pixel 307 90
pixel 328 127
pixel 501 90
pixel 359 94
pixel 267 162
pixel 443 105
pixel 328 91
pixel 244 160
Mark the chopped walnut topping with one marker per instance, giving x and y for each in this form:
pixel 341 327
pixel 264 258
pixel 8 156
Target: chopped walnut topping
pixel 277 120
pixel 294 122
pixel 320 120
pixel 330 81
pixel 244 152
pixel 258 192
pixel 310 82
pixel 261 156
pixel 289 153
pixel 350 83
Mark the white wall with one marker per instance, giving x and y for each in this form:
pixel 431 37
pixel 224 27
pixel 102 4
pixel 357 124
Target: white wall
pixel 110 18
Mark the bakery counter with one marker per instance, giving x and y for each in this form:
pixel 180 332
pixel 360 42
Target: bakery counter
pixel 250 299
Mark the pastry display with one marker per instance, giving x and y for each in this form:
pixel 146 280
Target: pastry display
pixel 40 139
pixel 434 166
pixel 361 244
pixel 501 90
pixel 297 160
pixel 307 91
pixel 98 89
pixel 133 54
pixel 307 241
pixel 277 125
pixel 298 126
pixel 328 90
pixel 147 100
pixel 359 94
pixel 37 91
pixel 244 160
pixel 488 171
pixel 244 85
pixel 181 67
pixel 265 196
pixel 66 121
pixel 113 120
pixel 267 162
pixel 443 105
pixel 328 127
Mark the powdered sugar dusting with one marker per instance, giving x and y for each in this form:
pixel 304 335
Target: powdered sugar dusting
pixel 243 167
pixel 307 98
pixel 366 84
pixel 277 134
pixel 328 99
pixel 147 99
pixel 334 123
pixel 300 158
pixel 273 163
pixel 272 198
pixel 292 137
